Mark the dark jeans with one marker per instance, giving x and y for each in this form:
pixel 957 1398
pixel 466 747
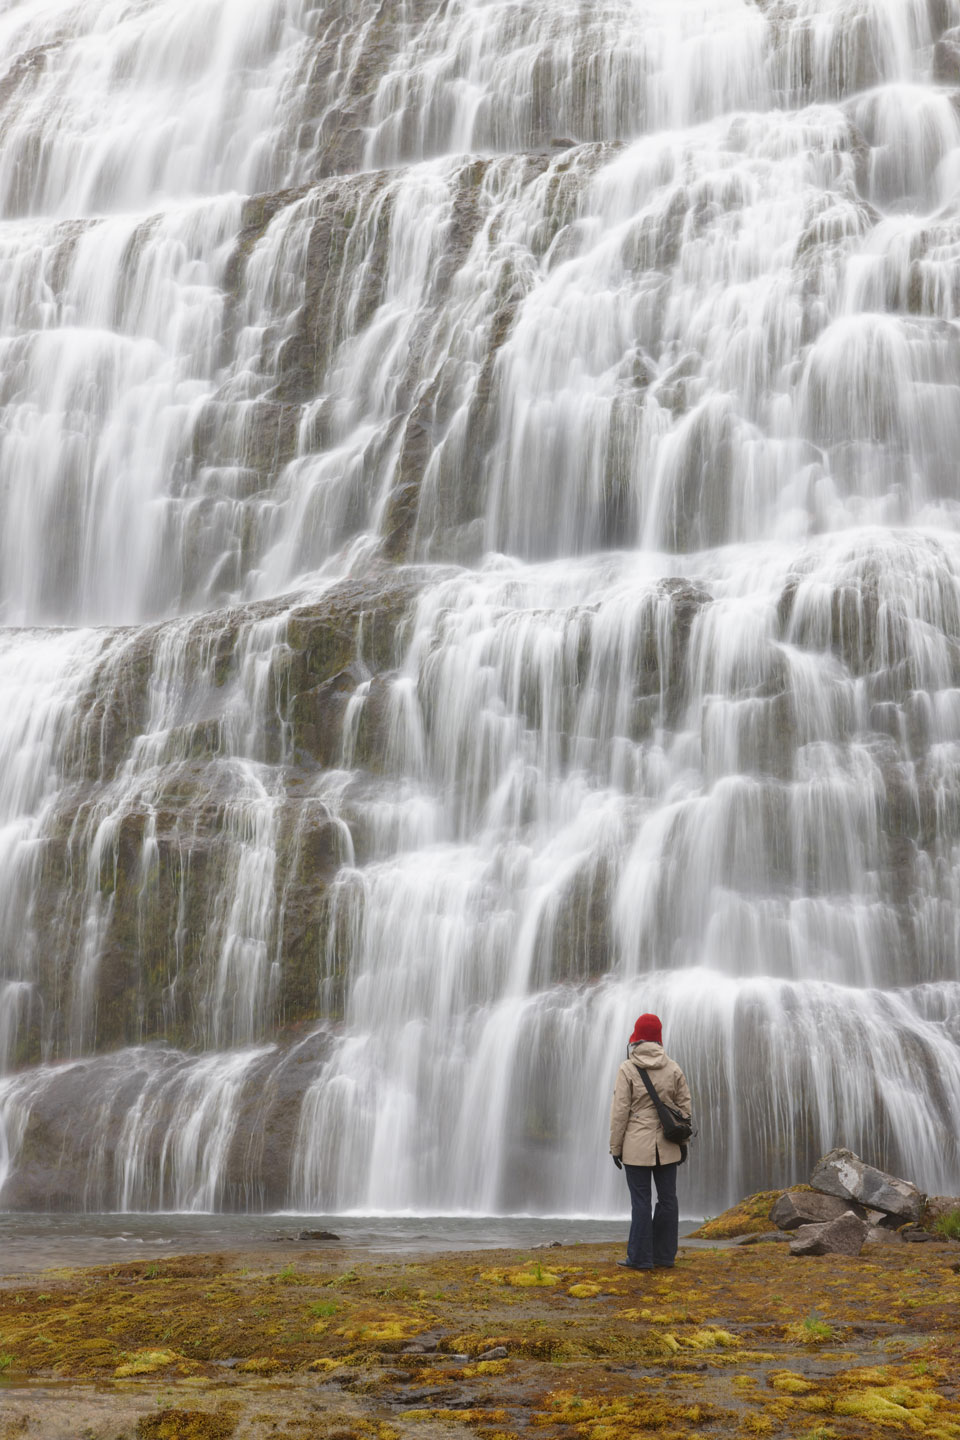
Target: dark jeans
pixel 652 1242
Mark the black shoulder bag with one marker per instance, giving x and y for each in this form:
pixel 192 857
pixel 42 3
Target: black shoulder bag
pixel 676 1126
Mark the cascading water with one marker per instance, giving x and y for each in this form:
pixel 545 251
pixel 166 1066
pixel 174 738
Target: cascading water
pixel 479 558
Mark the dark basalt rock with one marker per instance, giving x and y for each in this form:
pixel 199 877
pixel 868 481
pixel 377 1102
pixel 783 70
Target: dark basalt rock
pixel 166 848
pixel 946 58
pixel 57 1168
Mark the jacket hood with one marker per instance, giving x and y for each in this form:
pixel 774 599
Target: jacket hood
pixel 648 1055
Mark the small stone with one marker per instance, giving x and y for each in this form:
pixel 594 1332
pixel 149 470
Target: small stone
pixel 916 1235
pixel 459 1359
pixel 317 1235
pixel 765 1239
pixel 843 1236
pixel 499 1352
pixel 883 1235
pixel 843 1173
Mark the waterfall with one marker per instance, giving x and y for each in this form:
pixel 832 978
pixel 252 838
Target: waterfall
pixel 479 559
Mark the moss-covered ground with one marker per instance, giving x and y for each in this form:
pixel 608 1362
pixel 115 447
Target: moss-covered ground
pixel 733 1342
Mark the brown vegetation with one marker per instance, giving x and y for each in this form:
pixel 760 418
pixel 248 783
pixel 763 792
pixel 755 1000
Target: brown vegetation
pixel 733 1342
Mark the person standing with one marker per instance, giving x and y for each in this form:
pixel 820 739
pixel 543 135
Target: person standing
pixel 640 1148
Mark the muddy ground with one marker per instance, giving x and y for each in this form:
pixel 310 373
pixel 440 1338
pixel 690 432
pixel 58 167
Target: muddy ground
pixel 323 1343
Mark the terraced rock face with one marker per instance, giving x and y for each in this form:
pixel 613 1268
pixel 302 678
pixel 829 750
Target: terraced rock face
pixel 478 559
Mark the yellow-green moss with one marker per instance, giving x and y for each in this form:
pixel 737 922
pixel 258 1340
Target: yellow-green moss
pixel 717 1348
pixel 750 1216
pixel 146 1362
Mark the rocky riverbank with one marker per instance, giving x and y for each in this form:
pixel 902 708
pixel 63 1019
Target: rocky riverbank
pixel 558 1342
pixel 847 1203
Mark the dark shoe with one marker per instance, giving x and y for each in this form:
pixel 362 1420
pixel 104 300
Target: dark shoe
pixel 669 1266
pixel 625 1264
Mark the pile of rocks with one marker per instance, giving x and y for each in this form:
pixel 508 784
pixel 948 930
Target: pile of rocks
pixel 851 1202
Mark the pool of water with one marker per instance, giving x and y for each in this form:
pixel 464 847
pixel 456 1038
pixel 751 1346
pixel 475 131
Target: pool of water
pixel 32 1242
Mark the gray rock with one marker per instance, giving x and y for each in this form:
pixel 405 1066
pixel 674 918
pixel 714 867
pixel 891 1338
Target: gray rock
pixel 882 1235
pixel 845 1174
pixel 770 1237
pixel 317 1235
pixel 810 1207
pixel 946 58
pixel 499 1352
pixel 843 1236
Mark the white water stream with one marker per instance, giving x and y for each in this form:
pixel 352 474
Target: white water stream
pixel 634 329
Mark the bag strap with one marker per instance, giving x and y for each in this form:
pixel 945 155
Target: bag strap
pixel 662 1113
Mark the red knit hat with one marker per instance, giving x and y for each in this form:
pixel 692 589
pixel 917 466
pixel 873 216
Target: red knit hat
pixel 648 1027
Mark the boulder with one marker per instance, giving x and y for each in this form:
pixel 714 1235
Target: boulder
pixel 809 1207
pixel 844 1174
pixel 843 1236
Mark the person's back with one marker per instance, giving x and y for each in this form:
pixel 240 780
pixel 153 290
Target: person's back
pixel 640 1147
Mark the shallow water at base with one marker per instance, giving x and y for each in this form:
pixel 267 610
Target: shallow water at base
pixel 33 1242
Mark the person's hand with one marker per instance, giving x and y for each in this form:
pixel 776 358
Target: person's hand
pixel 617 1161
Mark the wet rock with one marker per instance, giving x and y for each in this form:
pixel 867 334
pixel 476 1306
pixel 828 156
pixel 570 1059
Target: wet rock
pixel 809 1207
pixel 417 1399
pixel 881 1235
pixel 774 1237
pixel 317 1235
pixel 844 1236
pixel 843 1173
pixel 916 1235
pixel 946 58
pixel 499 1352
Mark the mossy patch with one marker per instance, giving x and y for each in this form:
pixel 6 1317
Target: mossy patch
pixel 750 1216
pixel 790 1383
pixel 173 1424
pixel 147 1362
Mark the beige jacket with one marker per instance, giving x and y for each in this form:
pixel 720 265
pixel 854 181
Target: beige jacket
pixel 636 1134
